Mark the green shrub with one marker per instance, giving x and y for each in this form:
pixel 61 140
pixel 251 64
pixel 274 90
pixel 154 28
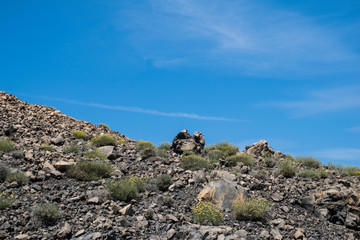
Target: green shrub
pixel 125 189
pixel 104 140
pixel 206 211
pixel 165 199
pixel 221 150
pixel 346 170
pixel 96 153
pixel 309 162
pixel 163 181
pixel 47 213
pixel 5 201
pixel 260 174
pixel 287 169
pixel 161 153
pixel 4 171
pixel 121 141
pixel 164 146
pixel 141 145
pixel 90 170
pixel 308 173
pixel 244 158
pixel 6 146
pixel 193 162
pixel 71 149
pixel 80 134
pixel 147 152
pixel 46 147
pixel 104 126
pixel 18 177
pixel 251 208
pixel 270 161
pixel 50 108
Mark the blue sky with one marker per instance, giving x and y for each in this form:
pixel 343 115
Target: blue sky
pixel 284 71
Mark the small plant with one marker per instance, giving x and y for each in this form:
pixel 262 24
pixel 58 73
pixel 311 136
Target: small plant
pixel 104 126
pixel 270 161
pixel 6 146
pixel 4 171
pixel 147 152
pixel 193 162
pixel 141 145
pixel 125 189
pixel 287 169
pixel 96 153
pixel 71 149
pixel 50 108
pixel 104 140
pixel 164 146
pixel 251 208
pixel 221 150
pixel 309 162
pixel 163 181
pixel 18 177
pixel 89 170
pixel 121 141
pixel 80 134
pixel 244 158
pixel 313 174
pixel 206 211
pixel 6 201
pixel 47 213
pixel 46 147
pixel 166 199
pixel 161 153
pixel 261 175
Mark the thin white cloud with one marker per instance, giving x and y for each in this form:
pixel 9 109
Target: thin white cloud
pixel 251 36
pixel 142 110
pixel 343 154
pixel 322 101
pixel 354 129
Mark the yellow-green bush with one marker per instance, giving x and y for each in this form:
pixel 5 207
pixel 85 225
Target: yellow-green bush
pixel 89 170
pixel 6 146
pixel 287 169
pixel 125 189
pixel 244 158
pixel 72 148
pixel 46 147
pixel 309 161
pixel 4 171
pixel 6 200
pixel 221 150
pixel 104 126
pixel 206 211
pixel 163 181
pixel 80 134
pixel 141 145
pixel 121 141
pixel 18 177
pixel 95 153
pixel 251 208
pixel 47 213
pixel 313 174
pixel 194 162
pixel 165 146
pixel 104 140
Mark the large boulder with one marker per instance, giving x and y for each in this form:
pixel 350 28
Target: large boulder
pixel 183 141
pixel 259 149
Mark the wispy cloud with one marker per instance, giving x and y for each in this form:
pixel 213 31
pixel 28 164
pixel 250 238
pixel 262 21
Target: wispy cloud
pixel 142 110
pixel 354 129
pixel 252 36
pixel 343 154
pixel 322 101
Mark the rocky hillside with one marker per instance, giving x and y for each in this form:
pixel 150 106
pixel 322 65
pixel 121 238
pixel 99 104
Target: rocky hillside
pixel 61 178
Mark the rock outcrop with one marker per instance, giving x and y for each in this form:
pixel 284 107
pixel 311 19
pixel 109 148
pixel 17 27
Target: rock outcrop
pixel 183 141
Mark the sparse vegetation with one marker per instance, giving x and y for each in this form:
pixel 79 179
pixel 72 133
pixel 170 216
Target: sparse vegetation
pixel 287 169
pixel 260 174
pixel 309 162
pixel 6 201
pixel 4 171
pixel 46 147
pixel 166 199
pixel 163 181
pixel 313 174
pixel 6 146
pixel 270 162
pixel 142 145
pixel 90 170
pixel 47 213
pixel 251 208
pixel 164 146
pixel 73 148
pixel 194 162
pixel 18 177
pixel 206 211
pixel 121 141
pixel 80 134
pixel 221 150
pixel 161 153
pixel 125 189
pixel 243 158
pixel 104 126
pixel 50 108
pixel 104 140
pixel 95 153
pixel 346 170
pixel 147 152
